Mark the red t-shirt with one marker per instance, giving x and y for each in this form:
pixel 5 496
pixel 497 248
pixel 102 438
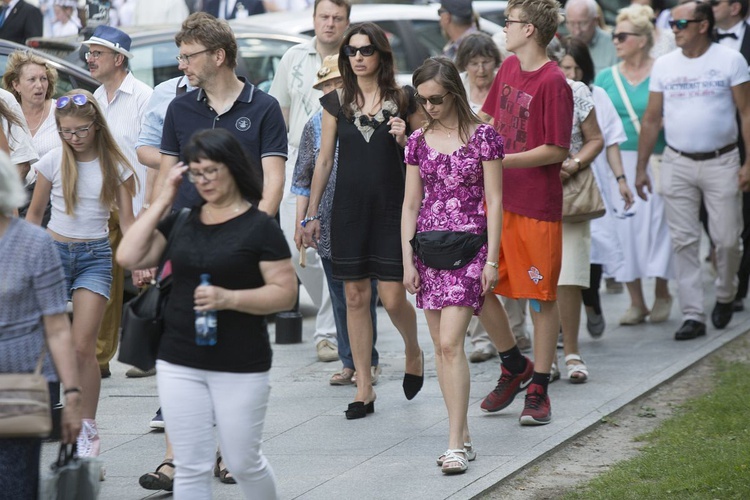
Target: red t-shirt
pixel 531 109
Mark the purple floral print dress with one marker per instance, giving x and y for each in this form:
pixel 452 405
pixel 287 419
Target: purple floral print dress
pixel 453 201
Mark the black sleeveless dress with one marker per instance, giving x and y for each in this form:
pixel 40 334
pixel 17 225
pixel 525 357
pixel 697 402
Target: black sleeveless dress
pixel 366 214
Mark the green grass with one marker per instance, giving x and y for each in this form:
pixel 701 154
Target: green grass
pixel 703 453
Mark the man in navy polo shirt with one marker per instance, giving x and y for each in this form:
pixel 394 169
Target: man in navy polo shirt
pixel 208 56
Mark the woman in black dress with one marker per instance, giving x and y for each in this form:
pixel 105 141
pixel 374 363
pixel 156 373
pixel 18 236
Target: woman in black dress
pixel 368 118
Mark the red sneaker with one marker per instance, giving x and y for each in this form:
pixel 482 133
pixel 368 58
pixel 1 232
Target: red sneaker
pixel 537 409
pixel 508 385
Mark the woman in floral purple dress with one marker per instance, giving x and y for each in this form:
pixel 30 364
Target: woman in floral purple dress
pixel 453 183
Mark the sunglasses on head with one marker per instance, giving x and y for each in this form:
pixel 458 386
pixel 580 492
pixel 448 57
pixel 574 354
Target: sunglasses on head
pixel 435 100
pixel 366 51
pixel 77 99
pixel 681 24
pixel 622 36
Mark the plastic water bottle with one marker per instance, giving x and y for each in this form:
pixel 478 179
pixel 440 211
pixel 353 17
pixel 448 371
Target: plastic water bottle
pixel 205 321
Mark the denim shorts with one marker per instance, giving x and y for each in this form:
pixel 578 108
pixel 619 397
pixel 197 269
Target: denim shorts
pixel 87 264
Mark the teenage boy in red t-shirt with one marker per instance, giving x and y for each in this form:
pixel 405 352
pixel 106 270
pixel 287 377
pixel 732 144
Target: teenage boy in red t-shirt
pixel 531 106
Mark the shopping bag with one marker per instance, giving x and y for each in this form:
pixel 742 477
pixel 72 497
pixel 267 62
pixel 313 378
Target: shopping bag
pixel 72 478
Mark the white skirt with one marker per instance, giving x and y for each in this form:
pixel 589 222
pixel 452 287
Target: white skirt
pixel 576 249
pixel 642 230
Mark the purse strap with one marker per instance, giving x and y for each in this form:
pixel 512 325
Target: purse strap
pixel 40 361
pixel 179 222
pixel 625 99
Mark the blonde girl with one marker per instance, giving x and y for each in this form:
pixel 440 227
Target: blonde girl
pixel 84 178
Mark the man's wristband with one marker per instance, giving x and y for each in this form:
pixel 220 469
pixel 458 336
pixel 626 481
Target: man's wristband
pixel 304 221
pixel 620 177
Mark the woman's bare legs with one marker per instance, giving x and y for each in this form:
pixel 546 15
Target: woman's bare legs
pixel 404 318
pixel 359 323
pixel 88 311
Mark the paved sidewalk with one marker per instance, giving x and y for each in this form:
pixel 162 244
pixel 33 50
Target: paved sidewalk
pixel 317 454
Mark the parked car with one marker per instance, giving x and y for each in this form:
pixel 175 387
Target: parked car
pixel 70 76
pixel 413 30
pixel 154 51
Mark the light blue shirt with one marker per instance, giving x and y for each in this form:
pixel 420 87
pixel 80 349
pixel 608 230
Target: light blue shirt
pixel 156 110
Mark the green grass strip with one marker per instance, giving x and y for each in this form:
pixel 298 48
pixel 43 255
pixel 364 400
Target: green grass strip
pixel 702 453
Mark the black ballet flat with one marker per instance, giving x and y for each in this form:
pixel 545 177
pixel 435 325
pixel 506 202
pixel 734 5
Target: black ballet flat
pixel 413 383
pixel 359 409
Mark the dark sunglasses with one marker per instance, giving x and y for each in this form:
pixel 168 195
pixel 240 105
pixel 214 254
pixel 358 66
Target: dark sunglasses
pixel 622 36
pixel 366 51
pixel 681 24
pixel 78 100
pixel 435 100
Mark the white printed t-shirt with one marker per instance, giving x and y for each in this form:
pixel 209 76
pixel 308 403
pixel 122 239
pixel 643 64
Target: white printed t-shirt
pixel 698 106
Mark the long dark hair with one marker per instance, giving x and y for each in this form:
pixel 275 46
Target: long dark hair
pixel 579 51
pixel 445 73
pixel 389 89
pixel 221 146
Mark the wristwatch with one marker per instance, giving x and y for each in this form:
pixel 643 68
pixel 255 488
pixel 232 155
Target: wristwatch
pixel 578 163
pixel 304 221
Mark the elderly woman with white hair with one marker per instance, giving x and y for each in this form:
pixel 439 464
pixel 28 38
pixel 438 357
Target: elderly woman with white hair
pixel 32 319
pixel 643 231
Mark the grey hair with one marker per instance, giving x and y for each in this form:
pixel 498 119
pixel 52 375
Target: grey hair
pixel 12 193
pixel 590 5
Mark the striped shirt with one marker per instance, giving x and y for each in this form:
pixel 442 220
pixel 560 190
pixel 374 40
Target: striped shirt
pixel 124 116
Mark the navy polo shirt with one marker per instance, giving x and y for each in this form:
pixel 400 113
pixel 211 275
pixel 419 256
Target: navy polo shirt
pixel 255 119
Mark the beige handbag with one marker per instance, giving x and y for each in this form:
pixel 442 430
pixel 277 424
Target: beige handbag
pixel 24 404
pixel 582 200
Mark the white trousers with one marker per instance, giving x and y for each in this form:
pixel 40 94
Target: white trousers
pixel 683 181
pixel 192 401
pixel 312 275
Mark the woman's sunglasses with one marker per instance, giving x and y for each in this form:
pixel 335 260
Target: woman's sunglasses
pixel 622 36
pixel 681 24
pixel 435 100
pixel 366 51
pixel 77 99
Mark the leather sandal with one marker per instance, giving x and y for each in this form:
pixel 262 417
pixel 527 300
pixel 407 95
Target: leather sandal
pixel 158 480
pixel 455 463
pixel 222 472
pixel 344 377
pixel 577 373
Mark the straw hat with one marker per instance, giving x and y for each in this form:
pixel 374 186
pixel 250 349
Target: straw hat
pixel 328 71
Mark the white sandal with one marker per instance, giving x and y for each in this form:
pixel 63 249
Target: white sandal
pixel 468 450
pixel 455 463
pixel 578 369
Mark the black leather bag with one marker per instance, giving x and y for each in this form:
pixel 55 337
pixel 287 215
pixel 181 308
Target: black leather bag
pixel 447 250
pixel 142 317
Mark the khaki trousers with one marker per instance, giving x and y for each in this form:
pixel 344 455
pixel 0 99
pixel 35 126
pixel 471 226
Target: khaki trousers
pixel 109 333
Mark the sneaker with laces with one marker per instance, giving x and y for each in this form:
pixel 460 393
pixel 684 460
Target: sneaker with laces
pixel 87 444
pixel 537 409
pixel 508 385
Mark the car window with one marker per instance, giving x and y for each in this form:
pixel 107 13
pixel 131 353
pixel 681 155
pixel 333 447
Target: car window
pixel 155 63
pixel 428 32
pixel 261 57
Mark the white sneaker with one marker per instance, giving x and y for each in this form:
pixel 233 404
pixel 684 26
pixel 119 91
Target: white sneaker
pixel 87 444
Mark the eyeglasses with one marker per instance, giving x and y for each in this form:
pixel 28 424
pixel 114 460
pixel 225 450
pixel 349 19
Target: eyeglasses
pixel 185 58
pixel 96 54
pixel 435 100
pixel 511 21
pixel 578 24
pixel 681 24
pixel 208 174
pixel 81 133
pixel 77 99
pixel 366 50
pixel 622 36
pixel 481 64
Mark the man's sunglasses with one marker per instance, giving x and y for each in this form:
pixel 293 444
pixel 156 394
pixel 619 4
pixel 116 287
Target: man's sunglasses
pixel 435 100
pixel 77 99
pixel 622 36
pixel 681 24
pixel 366 51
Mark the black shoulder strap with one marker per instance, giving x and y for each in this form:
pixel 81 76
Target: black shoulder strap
pixel 180 90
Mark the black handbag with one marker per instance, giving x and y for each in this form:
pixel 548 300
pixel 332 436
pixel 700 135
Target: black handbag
pixel 447 250
pixel 142 317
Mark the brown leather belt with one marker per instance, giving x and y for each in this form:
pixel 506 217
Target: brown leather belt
pixel 705 156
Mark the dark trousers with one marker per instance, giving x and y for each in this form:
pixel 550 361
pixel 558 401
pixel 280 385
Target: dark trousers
pixel 591 294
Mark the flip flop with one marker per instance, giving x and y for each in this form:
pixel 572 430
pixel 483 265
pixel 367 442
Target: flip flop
pixel 157 480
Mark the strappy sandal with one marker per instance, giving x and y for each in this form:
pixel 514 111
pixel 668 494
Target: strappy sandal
pixel 468 450
pixel 222 472
pixel 577 373
pixel 455 463
pixel 158 480
pixel 344 377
